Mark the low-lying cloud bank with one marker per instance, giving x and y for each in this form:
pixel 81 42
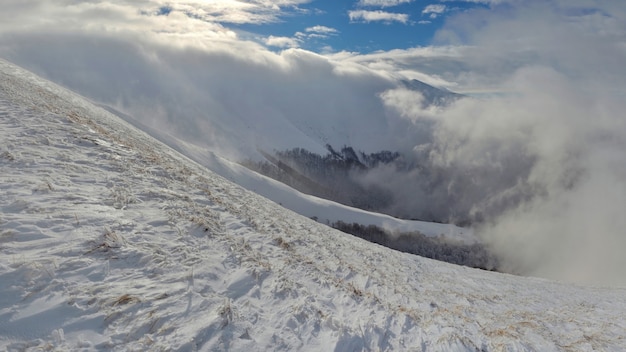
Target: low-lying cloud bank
pixel 558 122
pixel 548 168
pixel 536 150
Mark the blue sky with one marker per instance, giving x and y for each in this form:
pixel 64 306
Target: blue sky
pixel 357 26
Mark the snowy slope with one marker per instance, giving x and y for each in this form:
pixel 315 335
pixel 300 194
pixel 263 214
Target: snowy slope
pixel 325 211
pixel 112 241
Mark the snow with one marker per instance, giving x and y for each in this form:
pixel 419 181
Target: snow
pixel 325 211
pixel 111 240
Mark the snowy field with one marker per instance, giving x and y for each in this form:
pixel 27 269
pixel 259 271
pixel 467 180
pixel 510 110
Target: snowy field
pixel 112 241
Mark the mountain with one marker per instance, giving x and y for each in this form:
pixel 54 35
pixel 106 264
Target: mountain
pixel 233 109
pixel 112 240
pixel 431 95
pixel 323 210
pixel 265 135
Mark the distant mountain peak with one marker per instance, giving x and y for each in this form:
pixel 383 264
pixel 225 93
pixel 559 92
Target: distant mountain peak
pixel 432 95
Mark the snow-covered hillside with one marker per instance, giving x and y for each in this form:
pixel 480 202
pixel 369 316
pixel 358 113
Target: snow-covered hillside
pixel 112 241
pixel 325 211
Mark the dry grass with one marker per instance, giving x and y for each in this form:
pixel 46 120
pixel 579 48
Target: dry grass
pixel 8 156
pixel 227 313
pixel 125 299
pixel 110 240
pixel 282 243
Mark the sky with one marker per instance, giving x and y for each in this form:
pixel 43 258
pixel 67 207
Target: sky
pixel 358 26
pixel 538 143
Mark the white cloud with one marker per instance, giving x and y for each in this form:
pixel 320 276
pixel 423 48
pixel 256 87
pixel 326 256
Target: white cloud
pixel 382 3
pixel 316 32
pixel 322 29
pixel 561 118
pixel 187 75
pixel 439 66
pixel 377 16
pixel 232 11
pixel 282 42
pixel 434 8
pixel 225 11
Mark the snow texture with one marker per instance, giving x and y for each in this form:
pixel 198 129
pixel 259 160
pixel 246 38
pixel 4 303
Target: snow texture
pixel 111 240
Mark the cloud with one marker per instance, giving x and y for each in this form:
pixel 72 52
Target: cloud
pixel 282 42
pixel 443 66
pixel 322 29
pixel 188 76
pixel 227 11
pixel 544 160
pixel 434 10
pixel 316 32
pixel 232 11
pixel 377 16
pixel 382 3
pixel 179 17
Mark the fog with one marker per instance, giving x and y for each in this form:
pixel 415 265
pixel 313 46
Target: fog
pixel 534 154
pixel 548 149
